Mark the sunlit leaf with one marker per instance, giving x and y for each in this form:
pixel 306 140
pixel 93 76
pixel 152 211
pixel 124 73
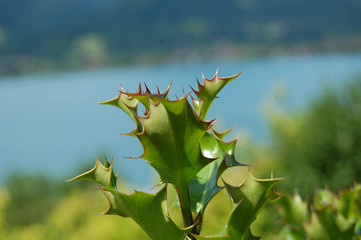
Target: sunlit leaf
pixel 204 187
pixel 247 200
pixel 149 211
pixel 207 92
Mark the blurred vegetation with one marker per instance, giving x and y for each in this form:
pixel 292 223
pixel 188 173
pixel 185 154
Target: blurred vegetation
pixel 43 35
pixel 36 208
pixel 317 147
pixel 31 198
pixel 327 216
pixel 75 214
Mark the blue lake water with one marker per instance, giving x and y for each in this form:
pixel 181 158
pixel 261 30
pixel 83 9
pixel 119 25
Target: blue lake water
pixel 50 124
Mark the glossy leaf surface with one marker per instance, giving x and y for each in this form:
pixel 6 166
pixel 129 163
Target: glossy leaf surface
pixel 204 187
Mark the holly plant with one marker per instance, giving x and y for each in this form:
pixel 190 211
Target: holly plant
pixel 188 154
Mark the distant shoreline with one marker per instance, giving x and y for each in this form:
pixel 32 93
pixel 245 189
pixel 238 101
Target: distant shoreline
pixel 21 65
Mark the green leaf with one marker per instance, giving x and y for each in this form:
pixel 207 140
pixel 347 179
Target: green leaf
pixel 125 102
pixel 334 217
pixel 204 187
pixel 149 211
pixel 327 224
pixel 145 96
pixel 221 135
pixel 208 92
pixel 171 140
pixel 348 203
pixel 101 174
pixel 249 198
pixel 288 233
pixel 128 102
pixel 293 210
pixel 213 238
pixel 323 198
pixel 294 214
pixel 171 137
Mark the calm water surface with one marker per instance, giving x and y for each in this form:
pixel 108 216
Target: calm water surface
pixel 49 124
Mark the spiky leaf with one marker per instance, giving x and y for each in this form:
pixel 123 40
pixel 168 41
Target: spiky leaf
pixel 293 210
pixel 348 203
pixel 207 92
pixel 149 211
pixel 247 200
pixel 204 187
pixel 327 224
pixel 294 213
pixel 171 140
pixel 101 174
pixel 125 102
pixel 331 217
pixel 145 96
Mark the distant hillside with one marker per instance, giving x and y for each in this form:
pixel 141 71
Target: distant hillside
pixel 41 34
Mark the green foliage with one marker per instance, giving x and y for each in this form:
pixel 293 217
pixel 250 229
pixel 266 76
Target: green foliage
pixel 323 142
pixel 31 198
pixel 136 204
pixel 188 155
pixel 248 199
pixel 73 217
pixel 330 216
pixel 204 187
pixel 3 202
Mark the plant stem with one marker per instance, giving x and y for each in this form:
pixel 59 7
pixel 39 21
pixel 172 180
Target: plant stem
pixel 185 203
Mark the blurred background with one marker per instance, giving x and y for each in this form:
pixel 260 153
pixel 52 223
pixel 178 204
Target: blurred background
pixel 296 106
